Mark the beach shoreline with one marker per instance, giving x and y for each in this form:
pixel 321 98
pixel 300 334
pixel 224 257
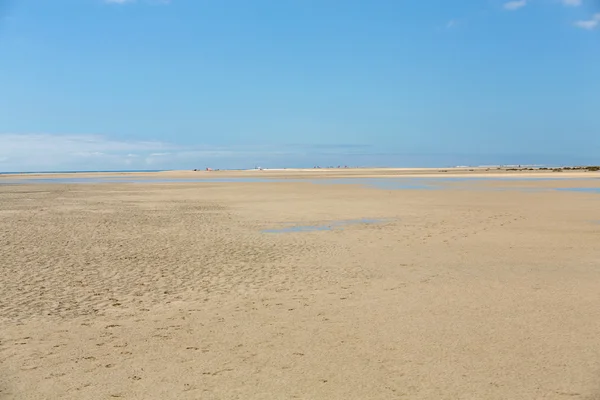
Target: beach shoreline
pixel 492 172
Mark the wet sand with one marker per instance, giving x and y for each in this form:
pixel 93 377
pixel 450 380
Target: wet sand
pixel 482 290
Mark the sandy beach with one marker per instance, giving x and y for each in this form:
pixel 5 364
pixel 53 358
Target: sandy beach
pixel 472 289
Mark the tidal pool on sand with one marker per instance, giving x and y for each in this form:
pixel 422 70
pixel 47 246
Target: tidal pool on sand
pixel 326 227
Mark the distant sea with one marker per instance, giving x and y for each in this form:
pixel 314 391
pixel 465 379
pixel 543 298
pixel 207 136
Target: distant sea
pixel 81 172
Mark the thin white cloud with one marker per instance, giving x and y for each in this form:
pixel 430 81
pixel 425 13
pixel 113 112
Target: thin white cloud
pixel 46 151
pixel 120 2
pixel 52 152
pixel 515 5
pixel 589 24
pixel 451 24
pixel 572 3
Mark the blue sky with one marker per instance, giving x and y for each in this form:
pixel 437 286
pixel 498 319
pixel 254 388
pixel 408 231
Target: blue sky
pixel 180 84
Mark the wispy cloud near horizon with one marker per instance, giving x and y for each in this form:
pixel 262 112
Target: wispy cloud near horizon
pixel 572 3
pixel 48 152
pixel 86 152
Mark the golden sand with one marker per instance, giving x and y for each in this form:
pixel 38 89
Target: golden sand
pixel 483 290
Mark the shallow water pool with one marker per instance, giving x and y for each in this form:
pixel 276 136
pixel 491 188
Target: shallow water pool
pixel 326 227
